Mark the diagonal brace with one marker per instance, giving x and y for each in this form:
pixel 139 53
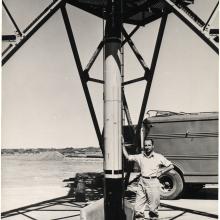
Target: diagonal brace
pixel 12 19
pixel 130 35
pixel 80 70
pixel 137 54
pixel 94 56
pixel 97 51
pixel 198 29
pixel 152 70
pixel 32 31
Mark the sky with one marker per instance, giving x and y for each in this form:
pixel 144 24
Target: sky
pixel 43 104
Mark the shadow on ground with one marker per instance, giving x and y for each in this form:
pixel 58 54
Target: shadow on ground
pixel 204 194
pixel 65 206
pixel 69 207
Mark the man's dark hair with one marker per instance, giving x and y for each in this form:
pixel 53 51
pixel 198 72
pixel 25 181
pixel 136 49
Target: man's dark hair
pixel 149 139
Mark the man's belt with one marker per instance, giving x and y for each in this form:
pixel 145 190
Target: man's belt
pixel 149 177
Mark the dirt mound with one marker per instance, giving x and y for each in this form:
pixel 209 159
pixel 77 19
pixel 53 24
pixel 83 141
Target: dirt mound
pixel 54 155
pixel 50 155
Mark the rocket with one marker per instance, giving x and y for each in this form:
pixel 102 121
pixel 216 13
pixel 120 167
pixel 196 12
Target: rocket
pixel 112 114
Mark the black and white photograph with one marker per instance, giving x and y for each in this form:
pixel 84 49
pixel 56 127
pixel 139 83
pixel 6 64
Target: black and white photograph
pixel 109 109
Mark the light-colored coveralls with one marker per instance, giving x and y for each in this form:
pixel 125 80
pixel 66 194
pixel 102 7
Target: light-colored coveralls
pixel 148 191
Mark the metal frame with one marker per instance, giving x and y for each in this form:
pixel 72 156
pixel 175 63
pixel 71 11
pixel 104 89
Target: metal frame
pixel 52 8
pixel 203 34
pixel 213 14
pixel 33 29
pixel 56 4
pixel 83 77
pixel 53 205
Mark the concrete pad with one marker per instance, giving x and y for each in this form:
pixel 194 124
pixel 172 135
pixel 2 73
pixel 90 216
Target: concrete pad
pixel 95 211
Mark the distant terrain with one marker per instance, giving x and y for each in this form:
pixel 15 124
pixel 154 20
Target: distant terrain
pixel 91 152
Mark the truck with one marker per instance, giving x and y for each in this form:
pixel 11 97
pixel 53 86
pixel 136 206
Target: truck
pixel 190 142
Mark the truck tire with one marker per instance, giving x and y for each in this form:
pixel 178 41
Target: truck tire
pixel 171 185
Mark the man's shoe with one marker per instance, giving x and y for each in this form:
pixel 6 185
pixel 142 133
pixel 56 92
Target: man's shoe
pixel 139 215
pixel 153 215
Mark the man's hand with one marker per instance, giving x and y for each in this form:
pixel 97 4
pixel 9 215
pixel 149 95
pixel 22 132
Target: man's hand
pixel 165 170
pixel 124 149
pixel 122 141
pixel 159 173
pixel 172 171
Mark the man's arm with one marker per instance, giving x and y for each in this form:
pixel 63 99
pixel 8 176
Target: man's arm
pixel 165 170
pixel 124 149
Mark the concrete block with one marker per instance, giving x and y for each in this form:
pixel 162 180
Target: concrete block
pixel 95 211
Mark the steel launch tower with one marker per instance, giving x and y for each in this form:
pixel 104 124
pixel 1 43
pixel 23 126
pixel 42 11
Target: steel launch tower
pixel 116 13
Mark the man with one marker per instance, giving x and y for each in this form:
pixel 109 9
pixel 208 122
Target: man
pixel 152 166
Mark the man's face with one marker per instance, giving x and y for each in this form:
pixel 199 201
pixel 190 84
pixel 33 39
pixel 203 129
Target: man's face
pixel 148 146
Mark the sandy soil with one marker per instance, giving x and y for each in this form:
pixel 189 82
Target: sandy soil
pixel 15 198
